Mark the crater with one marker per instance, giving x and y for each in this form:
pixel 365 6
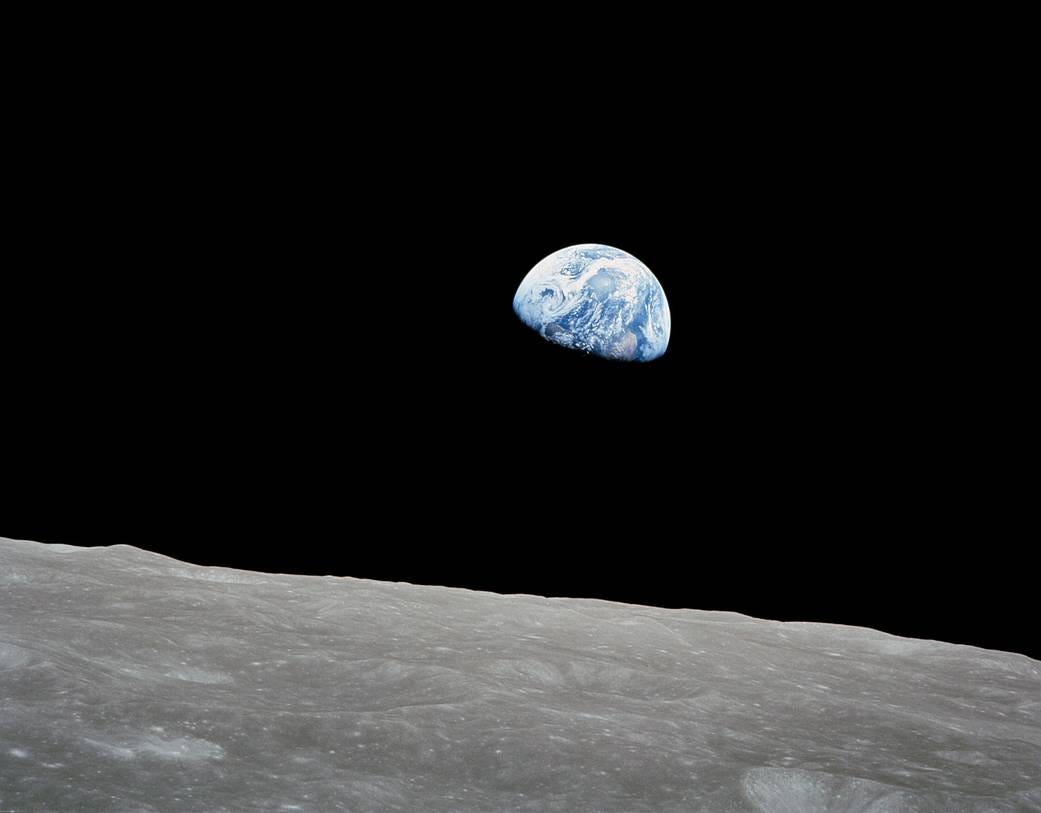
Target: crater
pixel 12 656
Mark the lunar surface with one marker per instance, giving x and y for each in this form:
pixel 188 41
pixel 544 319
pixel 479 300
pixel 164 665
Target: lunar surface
pixel 134 682
pixel 597 299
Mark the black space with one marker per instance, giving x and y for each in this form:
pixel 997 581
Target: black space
pixel 266 323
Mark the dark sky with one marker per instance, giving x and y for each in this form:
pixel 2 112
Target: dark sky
pixel 277 334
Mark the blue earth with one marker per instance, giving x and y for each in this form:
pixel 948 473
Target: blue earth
pixel 596 299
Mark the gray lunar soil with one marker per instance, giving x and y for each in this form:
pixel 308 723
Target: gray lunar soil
pixel 134 682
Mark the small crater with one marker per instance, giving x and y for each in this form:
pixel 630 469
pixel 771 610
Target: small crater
pixel 967 757
pixel 12 656
pixel 199 676
pixel 789 790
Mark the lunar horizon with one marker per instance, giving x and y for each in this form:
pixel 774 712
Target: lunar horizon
pixel 134 681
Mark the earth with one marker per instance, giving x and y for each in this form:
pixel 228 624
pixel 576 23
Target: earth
pixel 597 299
